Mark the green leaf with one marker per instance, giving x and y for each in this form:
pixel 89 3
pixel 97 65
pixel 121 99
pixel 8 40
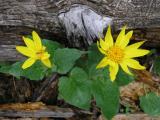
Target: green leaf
pixel 150 104
pixel 65 59
pixel 123 78
pixel 106 94
pixel 51 46
pixel 156 67
pixel 4 63
pixel 35 72
pixel 94 55
pixel 4 69
pixel 82 62
pixel 96 74
pixel 16 70
pixel 75 89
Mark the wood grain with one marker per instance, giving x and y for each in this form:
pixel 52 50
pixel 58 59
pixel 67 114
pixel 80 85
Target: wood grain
pixel 20 17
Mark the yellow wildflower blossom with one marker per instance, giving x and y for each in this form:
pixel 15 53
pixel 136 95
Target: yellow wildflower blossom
pixel 34 50
pixel 119 54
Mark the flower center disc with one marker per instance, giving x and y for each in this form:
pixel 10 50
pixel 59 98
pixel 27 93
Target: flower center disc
pixel 40 53
pixel 116 54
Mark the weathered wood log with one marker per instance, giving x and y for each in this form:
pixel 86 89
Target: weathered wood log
pixel 36 110
pixel 75 23
pixel 117 117
pixel 40 110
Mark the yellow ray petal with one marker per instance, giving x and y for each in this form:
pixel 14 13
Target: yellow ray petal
pixel 29 62
pixel 121 37
pixel 46 62
pixel 37 40
pixel 25 51
pixel 45 56
pixel 29 43
pixel 100 49
pixel 135 45
pixel 134 64
pixel 126 39
pixel 125 68
pixel 109 38
pixel 104 62
pixel 103 44
pixel 132 53
pixel 113 71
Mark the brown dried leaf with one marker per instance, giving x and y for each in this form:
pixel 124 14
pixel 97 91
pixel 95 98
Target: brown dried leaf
pixel 130 93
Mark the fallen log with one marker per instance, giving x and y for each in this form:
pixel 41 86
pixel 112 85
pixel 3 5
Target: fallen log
pixel 75 23
pixel 36 110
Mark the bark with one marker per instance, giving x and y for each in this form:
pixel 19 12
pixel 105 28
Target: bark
pixel 39 110
pixel 76 23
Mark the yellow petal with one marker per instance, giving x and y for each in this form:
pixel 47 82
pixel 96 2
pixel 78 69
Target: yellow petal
pixel 100 49
pixel 29 62
pixel 29 43
pixel 121 37
pixel 43 48
pixel 25 51
pixel 37 40
pixel 103 44
pixel 113 71
pixel 125 68
pixel 104 62
pixel 45 56
pixel 135 45
pixel 109 38
pixel 134 64
pixel 126 39
pixel 46 62
pixel 132 53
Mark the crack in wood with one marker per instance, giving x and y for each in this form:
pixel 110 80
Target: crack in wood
pixel 48 16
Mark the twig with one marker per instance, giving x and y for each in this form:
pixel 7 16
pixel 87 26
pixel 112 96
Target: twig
pixel 49 83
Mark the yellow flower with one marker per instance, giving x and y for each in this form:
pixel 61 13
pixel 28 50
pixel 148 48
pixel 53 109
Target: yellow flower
pixel 35 51
pixel 119 54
